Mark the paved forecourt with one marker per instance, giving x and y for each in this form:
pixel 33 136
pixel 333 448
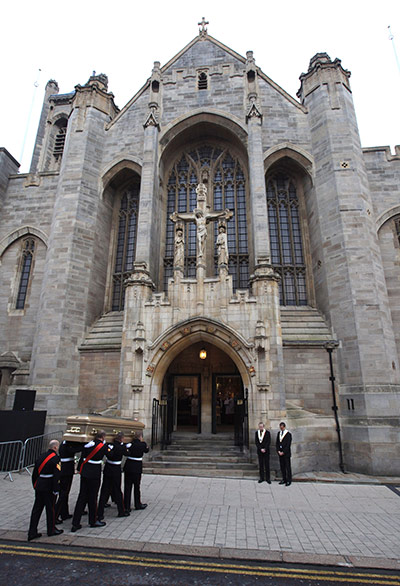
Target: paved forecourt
pixel 327 523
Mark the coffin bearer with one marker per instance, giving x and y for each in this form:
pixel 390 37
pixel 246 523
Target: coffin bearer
pixel 112 474
pixel 66 452
pixel 263 442
pixel 283 443
pixel 90 470
pixel 133 471
pixel 45 480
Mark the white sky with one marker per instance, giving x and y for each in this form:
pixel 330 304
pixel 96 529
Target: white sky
pixel 69 40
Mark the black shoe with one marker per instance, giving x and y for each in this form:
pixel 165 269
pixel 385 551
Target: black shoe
pixel 107 505
pixel 59 521
pixel 260 481
pixel 56 532
pixel 288 483
pixel 282 482
pixel 75 528
pixel 98 524
pixel 84 513
pixel 141 507
pixel 30 537
pixel 269 482
pixel 124 514
pixel 66 517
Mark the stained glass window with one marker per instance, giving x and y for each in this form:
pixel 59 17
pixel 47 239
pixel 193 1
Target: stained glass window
pixel 126 243
pixel 226 189
pixel 285 239
pixel 397 227
pixel 28 250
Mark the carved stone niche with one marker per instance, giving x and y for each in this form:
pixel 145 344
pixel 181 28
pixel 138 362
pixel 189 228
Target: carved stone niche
pixel 137 388
pixel 263 388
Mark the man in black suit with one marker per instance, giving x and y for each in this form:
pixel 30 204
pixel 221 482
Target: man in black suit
pixel 283 443
pixel 263 441
pixel 112 474
pixel 67 453
pixel 133 471
pixel 46 482
pixel 90 470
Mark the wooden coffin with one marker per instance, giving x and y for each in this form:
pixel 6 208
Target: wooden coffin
pixel 83 428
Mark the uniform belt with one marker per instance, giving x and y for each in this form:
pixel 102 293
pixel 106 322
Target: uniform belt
pixel 112 462
pixel 95 461
pixel 46 475
pixel 67 459
pixel 137 459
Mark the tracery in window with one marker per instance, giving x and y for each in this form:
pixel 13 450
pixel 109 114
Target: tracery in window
pixel 28 250
pixel 397 227
pixel 202 81
pixel 126 243
pixel 287 256
pixel 226 189
pixel 59 139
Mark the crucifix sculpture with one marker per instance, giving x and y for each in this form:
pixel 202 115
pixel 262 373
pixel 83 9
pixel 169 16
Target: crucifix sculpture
pixel 203 30
pixel 202 216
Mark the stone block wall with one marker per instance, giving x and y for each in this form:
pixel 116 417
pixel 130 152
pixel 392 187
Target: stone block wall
pixel 98 380
pixel 307 379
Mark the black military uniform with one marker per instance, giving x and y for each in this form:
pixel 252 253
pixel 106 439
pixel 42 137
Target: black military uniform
pixel 283 444
pixel 45 480
pixel 67 452
pixel 112 474
pixel 263 441
pixel 133 473
pixel 89 468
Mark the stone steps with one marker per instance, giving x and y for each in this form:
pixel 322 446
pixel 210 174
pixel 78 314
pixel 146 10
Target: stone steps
pixel 298 324
pixel 304 324
pixel 198 455
pixel 207 473
pixel 105 333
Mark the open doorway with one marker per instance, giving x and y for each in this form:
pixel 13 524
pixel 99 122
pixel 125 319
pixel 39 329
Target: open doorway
pixel 226 388
pixel 185 400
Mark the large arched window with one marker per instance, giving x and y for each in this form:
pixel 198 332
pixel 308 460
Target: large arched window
pixel 126 243
pixel 287 255
pixel 28 251
pixel 397 227
pixel 226 189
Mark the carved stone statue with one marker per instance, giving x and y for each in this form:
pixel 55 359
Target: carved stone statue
pixel 202 217
pixel 222 245
pixel 179 251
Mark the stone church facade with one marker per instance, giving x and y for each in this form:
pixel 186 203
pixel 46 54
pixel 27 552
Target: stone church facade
pixel 213 213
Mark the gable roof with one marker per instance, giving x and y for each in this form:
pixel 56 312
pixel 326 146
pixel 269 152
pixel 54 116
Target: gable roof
pixel 231 52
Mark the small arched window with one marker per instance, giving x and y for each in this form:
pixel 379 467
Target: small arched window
pixel 287 255
pixel 202 81
pixel 126 243
pixel 27 253
pixel 59 139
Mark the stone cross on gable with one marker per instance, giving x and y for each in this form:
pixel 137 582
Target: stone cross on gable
pixel 202 216
pixel 203 30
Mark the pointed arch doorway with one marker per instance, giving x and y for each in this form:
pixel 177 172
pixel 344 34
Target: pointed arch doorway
pixel 201 392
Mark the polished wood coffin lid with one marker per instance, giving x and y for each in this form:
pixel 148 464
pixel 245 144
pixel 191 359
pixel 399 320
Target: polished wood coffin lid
pixel 83 428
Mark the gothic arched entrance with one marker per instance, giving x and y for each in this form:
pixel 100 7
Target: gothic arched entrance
pixel 201 391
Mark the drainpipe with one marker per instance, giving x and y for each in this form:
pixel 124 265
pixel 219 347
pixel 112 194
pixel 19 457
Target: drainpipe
pixel 330 346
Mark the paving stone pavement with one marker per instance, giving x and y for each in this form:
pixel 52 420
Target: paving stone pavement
pixel 322 519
